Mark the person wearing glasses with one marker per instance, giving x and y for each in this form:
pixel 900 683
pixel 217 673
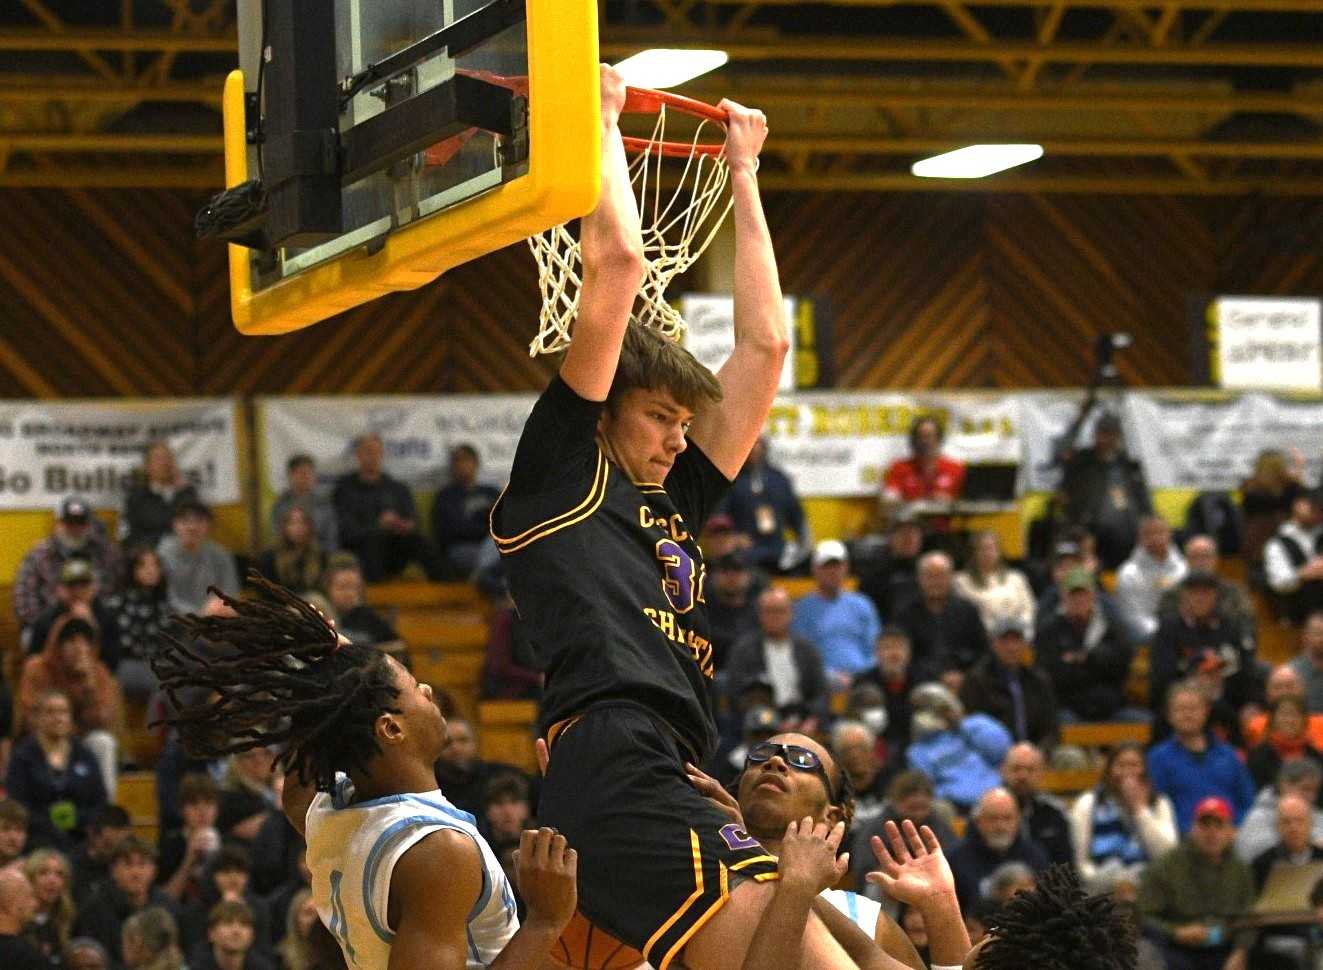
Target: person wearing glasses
pixel 791 780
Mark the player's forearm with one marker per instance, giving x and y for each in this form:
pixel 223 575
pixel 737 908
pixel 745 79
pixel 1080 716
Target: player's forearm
pixel 779 939
pixel 948 939
pixel 610 235
pixel 528 949
pixel 760 322
pixel 865 954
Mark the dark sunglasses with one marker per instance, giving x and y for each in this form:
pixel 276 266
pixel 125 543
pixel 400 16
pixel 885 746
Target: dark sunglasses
pixel 796 756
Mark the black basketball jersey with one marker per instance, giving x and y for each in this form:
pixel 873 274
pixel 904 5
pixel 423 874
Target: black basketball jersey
pixel 606 573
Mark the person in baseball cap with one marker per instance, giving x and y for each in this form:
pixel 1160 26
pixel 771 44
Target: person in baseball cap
pixel 842 623
pixel 830 551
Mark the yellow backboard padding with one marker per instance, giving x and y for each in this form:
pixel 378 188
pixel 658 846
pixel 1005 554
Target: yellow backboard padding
pixel 562 183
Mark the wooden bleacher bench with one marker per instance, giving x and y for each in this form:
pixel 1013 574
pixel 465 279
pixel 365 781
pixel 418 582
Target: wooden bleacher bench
pixel 1105 735
pixel 1070 782
pixel 403 593
pixel 505 733
pixel 136 794
pixel 446 629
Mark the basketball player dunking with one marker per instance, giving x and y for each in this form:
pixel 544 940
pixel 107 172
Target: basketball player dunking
pixel 625 454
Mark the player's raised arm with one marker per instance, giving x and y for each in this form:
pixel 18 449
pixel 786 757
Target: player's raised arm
pixel 613 266
pixel 727 432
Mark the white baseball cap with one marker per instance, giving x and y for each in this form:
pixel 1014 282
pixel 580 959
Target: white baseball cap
pixel 830 550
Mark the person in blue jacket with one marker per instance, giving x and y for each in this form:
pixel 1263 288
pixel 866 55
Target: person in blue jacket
pixel 961 754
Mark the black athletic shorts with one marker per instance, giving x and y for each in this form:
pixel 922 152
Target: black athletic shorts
pixel 656 858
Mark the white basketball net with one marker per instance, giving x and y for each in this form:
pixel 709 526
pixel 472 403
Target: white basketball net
pixel 678 224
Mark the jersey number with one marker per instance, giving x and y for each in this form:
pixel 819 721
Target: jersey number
pixel 339 924
pixel 682 580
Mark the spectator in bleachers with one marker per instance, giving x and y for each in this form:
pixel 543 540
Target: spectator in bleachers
pixel 1041 815
pixel 998 591
pixel 759 722
pixel 1287 738
pixel 51 879
pixel 733 591
pixel 1007 880
pixel 946 634
pixel 460 513
pixel 509 669
pixel 994 838
pixel 1192 764
pixel 226 881
pixel 927 475
pixel 140 608
pixel 186 853
pixel 91 862
pixel 1122 825
pixel 18 903
pixel 377 519
pixel 910 795
pixel 508 810
pixel 295 952
pixel 461 774
pixel 150 503
pixel 70 665
pixel 1267 498
pixel 894 676
pixel 74 536
pixel 230 940
pixel 763 504
pixel 1293 557
pixel 14 822
pixel 127 892
pixel 720 537
pixel 86 953
pixel 1104 490
pixel 890 578
pixel 301 489
pixel 248 794
pixel 1067 556
pixel 790 664
pixel 78 594
pixel 1004 686
pixel 1154 567
pixel 1086 654
pixel 1283 681
pixel 1197 639
pixel 961 754
pixel 151 940
pixel 1233 601
pixel 344 587
pixel 854 746
pixel 1285 947
pixel 1190 893
pixel 841 623
pixel 193 561
pixel 1308 663
pixel 55 776
pixel 296 560
pixel 1258 830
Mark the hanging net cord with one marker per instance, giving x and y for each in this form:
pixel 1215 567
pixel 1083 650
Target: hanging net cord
pixel 678 225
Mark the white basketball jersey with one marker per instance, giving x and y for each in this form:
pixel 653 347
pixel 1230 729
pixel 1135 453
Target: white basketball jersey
pixel 861 910
pixel 352 851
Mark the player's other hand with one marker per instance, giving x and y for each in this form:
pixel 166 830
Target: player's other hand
pixel 711 789
pixel 746 130
pixel 914 870
pixel 546 870
pixel 613 95
pixel 808 856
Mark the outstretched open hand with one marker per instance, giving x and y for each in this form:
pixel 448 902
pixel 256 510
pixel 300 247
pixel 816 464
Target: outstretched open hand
pixel 915 869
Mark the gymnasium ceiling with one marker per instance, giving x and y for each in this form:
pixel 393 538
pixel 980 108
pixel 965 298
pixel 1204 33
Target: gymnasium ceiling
pixel 1126 96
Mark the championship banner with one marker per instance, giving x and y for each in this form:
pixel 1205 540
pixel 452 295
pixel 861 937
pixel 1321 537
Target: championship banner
pixel 417 431
pixel 93 448
pixel 839 443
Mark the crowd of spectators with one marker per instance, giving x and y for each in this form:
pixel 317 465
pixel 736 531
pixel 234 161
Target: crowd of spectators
pixel 939 671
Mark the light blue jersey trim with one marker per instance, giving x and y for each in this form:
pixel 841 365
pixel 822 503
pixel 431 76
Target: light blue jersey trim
pixel 852 902
pixel 396 831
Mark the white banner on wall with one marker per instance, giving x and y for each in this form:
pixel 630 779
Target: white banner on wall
pixel 92 448
pixel 1268 342
pixel 417 431
pixel 711 334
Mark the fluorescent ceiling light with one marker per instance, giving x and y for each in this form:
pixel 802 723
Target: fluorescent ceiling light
pixel 976 161
pixel 663 67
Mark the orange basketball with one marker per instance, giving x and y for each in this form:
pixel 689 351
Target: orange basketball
pixel 584 946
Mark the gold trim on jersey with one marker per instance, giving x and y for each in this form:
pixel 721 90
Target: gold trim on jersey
pixel 751 860
pixel 590 504
pixel 699 923
pixel 684 908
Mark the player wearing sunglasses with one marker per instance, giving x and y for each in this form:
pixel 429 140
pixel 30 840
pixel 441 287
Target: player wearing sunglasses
pixel 791 786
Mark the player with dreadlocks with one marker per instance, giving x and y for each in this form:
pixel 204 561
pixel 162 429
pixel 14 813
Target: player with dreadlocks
pixel 400 876
pixel 1057 926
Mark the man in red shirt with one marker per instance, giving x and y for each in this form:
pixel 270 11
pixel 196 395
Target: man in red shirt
pixel 928 474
